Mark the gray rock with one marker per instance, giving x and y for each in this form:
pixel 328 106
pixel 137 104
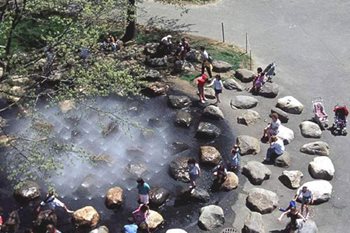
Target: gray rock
pixel 178 147
pixel 282 115
pixel 231 182
pixel 310 129
pixel 153 75
pixel 86 217
pixel 316 148
pixel 269 90
pixel 248 144
pixel 231 84
pixel 1 72
pixel 27 191
pixel 243 102
pixel 262 200
pixel 286 134
pixel 209 155
pixel 213 112
pixel 199 194
pixel 290 104
pixel 321 168
pixel 321 190
pixel 183 118
pixel 291 179
pixel 221 66
pixel 207 131
pixel 179 170
pixel 253 223
pixel 155 89
pixel 86 185
pixel 179 102
pixel 158 196
pixel 283 160
pixel 209 93
pixel 100 229
pixel 136 169
pixel 308 227
pixel 248 117
pixel 211 217
pixel 157 62
pixel 193 56
pixel 245 75
pixel 256 172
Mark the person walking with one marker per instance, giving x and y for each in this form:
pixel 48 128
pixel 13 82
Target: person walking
pixel 218 86
pixel 295 218
pixel 306 198
pixel 194 172
pixel 200 81
pixel 206 61
pixel 52 201
pixel 276 149
pixel 143 191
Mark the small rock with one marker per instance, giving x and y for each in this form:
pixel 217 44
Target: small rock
pixel 209 93
pixel 231 84
pixel 283 160
pixel 221 66
pixel 211 217
pixel 86 217
pixel 151 48
pixel 248 117
pixel 5 141
pixel 209 155
pixel 27 191
pixel 158 196
pixel 290 104
pixel 316 148
pixel 66 105
pixel 155 89
pixel 231 182
pixel 183 118
pixel 110 128
pixel 262 200
pixel 286 134
pixel 321 190
pixel 114 198
pixel 256 172
pixel 310 129
pixel 245 75
pixel 179 101
pixel 157 62
pixel 269 90
pixel 322 168
pixel 153 75
pixel 179 169
pixel 243 102
pixel 253 223
pixel 207 130
pixel 213 112
pixel 135 151
pixel 291 179
pixel 154 219
pixel 248 145
pixel 282 115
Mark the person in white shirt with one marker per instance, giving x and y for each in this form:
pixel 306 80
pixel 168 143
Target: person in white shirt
pixel 218 85
pixel 306 198
pixel 272 128
pixel 276 149
pixel 52 202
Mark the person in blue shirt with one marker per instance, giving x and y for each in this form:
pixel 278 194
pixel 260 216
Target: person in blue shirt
pixel 131 227
pixel 143 191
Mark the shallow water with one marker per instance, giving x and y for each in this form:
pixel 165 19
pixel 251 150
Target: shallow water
pixel 82 182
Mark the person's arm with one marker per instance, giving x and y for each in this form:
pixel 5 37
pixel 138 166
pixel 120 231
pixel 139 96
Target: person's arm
pixel 301 216
pixel 211 84
pixel 282 215
pixel 221 84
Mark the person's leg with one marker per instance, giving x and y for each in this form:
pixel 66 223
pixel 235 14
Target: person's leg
pixel 306 210
pixel 202 68
pixel 269 154
pixel 208 68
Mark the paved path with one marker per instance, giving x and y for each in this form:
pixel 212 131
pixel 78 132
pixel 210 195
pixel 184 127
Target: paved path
pixel 309 40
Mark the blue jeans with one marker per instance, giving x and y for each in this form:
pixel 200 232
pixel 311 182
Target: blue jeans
pixel 271 155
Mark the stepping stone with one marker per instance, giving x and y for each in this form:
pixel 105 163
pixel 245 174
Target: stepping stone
pixel 248 145
pixel 262 201
pixel 282 115
pixel 322 168
pixel 248 117
pixel 209 155
pixel 310 129
pixel 321 190
pixel 316 148
pixel 269 90
pixel 221 66
pixel 207 130
pixel 283 160
pixel 290 104
pixel 179 102
pixel 256 172
pixel 243 102
pixel 231 84
pixel 213 112
pixel 253 223
pixel 211 217
pixel 244 75
pixel 183 118
pixel 291 179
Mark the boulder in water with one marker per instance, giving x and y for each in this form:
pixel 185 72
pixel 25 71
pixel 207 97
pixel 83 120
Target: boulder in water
pixel 183 118
pixel 262 200
pixel 179 102
pixel 211 217
pixel 209 155
pixel 86 217
pixel 158 196
pixel 114 198
pixel 207 130
pixel 179 169
pixel 27 191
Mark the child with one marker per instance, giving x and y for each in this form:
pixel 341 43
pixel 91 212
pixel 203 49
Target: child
pixel 235 159
pixel 272 129
pixel 194 172
pixel 200 81
pixel 53 202
pixel 217 87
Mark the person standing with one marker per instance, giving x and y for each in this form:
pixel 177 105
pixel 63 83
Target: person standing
pixel 200 81
pixel 194 172
pixel 220 172
pixel 295 218
pixel 143 191
pixel 276 149
pixel 218 86
pixel 52 201
pixel 306 198
pixel 206 62
pixel 236 158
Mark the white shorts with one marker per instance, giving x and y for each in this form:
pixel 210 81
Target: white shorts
pixel 144 199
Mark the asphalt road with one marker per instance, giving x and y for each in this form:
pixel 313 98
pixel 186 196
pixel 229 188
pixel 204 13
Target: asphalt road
pixel 309 41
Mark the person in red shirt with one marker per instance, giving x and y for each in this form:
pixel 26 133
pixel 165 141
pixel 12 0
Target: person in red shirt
pixel 200 81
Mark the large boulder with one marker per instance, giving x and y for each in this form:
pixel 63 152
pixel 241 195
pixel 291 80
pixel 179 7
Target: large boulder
pixel 291 179
pixel 207 130
pixel 213 112
pixel 211 217
pixel 114 198
pixel 262 200
pixel 286 134
pixel 100 229
pixel 27 191
pixel 86 217
pixel 248 144
pixel 269 90
pixel 282 115
pixel 179 101
pixel 158 196
pixel 290 104
pixel 256 172
pixel 183 118
pixel 310 129
pixel 248 117
pixel 209 155
pixel 316 148
pixel 243 102
pixel 231 84
pixel 283 160
pixel 179 169
pixel 231 182
pixel 155 89
pixel 245 75
pixel 253 223
pixel 308 227
pixel 321 190
pixel 322 168
pixel 221 66
pixel 154 219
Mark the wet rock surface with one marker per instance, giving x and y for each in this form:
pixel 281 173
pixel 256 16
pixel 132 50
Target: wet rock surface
pixel 27 191
pixel 207 130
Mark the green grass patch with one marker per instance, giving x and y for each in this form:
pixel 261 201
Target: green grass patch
pixel 189 77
